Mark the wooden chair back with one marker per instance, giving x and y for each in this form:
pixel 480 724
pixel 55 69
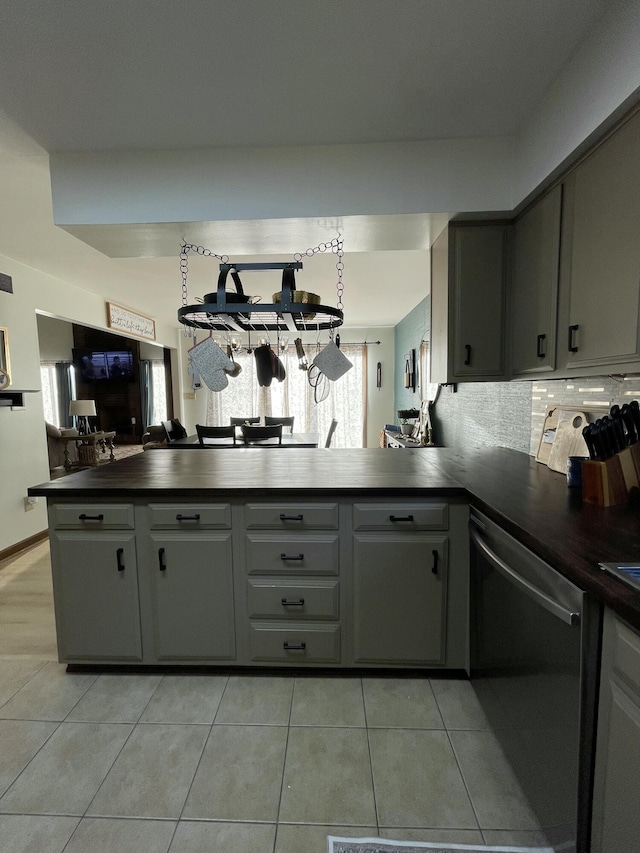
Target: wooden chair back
pixel 286 422
pixel 332 429
pixel 261 433
pixel 216 432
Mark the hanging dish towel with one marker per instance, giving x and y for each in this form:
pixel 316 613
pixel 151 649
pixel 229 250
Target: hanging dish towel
pixel 332 362
pixel 211 363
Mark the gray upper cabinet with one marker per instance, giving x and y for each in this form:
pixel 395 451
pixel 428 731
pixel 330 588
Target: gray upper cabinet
pixel 469 274
pixel 600 275
pixel 534 292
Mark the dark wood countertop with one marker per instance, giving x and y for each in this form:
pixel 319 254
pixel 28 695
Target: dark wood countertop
pixel 530 501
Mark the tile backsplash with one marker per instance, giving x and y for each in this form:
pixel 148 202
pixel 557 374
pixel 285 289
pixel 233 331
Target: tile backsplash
pixel 599 391
pixel 511 414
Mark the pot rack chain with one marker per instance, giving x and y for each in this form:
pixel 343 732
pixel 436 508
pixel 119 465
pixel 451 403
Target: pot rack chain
pixel 336 245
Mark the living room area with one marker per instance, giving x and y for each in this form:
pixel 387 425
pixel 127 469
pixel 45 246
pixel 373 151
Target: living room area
pixel 100 391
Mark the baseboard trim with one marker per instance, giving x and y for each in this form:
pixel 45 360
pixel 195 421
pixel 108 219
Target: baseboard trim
pixel 12 550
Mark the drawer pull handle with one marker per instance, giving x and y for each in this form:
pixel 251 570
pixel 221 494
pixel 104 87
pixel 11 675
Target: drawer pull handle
pixel 84 517
pixel 119 559
pixel 434 567
pixel 288 603
pixel 571 344
pixel 539 351
pixel 284 517
pixel 400 518
pixel 180 517
pixel 296 557
pixel 294 647
pixel 162 564
pixel 467 354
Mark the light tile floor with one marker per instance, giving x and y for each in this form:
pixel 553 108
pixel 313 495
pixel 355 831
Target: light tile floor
pixel 232 763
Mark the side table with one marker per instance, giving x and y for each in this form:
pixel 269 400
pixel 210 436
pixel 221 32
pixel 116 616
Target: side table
pixel 89 446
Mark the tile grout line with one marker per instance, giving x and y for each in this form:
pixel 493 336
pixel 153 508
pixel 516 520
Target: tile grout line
pixel 373 786
pixel 284 763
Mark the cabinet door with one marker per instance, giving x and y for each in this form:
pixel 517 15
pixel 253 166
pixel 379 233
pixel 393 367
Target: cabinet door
pixel 604 239
pixel 616 819
pixel 478 265
pixel 534 295
pixel 96 596
pixel 399 592
pixel 192 596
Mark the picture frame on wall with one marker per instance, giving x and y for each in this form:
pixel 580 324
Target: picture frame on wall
pixel 5 364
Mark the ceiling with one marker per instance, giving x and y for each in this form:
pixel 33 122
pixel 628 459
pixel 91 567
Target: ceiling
pixel 189 74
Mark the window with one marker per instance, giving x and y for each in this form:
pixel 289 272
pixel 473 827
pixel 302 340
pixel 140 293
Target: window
pixel 243 397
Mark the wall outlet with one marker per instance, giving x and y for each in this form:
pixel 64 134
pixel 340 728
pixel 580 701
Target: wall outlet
pixel 30 503
pixel 189 395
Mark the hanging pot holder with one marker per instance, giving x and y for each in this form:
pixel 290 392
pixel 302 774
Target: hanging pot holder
pixel 211 363
pixel 332 362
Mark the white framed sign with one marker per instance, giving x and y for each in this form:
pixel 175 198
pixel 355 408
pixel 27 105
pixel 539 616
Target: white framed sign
pixel 130 322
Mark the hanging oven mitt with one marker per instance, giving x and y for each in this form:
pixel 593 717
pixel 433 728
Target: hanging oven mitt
pixel 332 362
pixel 211 363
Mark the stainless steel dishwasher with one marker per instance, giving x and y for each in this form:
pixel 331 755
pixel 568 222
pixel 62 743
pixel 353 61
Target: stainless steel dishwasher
pixel 535 640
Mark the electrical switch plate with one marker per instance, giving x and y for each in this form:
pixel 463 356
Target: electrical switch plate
pixel 30 503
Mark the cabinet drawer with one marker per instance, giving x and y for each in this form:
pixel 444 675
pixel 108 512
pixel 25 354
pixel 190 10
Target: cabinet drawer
pixel 190 516
pixel 286 600
pixel 292 516
pixel 90 516
pixel 293 644
pixel 286 555
pixel 400 516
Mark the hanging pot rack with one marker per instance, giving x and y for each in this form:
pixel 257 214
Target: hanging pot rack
pixel 224 313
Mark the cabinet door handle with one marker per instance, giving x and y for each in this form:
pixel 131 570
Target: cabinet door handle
pixel 284 517
pixel 162 564
pixel 119 559
pixel 434 567
pixel 297 557
pixel 539 351
pixel 571 344
pixel 400 518
pixel 84 517
pixel 294 647
pixel 289 603
pixel 180 517
pixel 467 353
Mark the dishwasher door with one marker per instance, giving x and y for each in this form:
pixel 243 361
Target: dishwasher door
pixel 534 651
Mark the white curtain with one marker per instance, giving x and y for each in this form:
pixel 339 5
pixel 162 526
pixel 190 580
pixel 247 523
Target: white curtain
pixel 244 398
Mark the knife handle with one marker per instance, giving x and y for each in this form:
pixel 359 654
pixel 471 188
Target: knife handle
pixel 588 439
pixel 629 423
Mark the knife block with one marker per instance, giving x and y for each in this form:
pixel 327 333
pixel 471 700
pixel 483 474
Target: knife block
pixel 608 483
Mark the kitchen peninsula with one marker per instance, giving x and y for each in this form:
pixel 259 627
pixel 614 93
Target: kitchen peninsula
pixel 338 558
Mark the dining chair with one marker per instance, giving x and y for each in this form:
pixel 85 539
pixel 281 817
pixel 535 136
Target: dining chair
pixel 218 433
pixel 332 429
pixel 240 421
pixel 253 434
pixel 286 422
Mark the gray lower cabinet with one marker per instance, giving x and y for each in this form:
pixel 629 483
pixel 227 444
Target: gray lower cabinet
pixel 191 604
pixel 399 593
pixel 95 584
pixel 292 592
pixel 616 818
pixel 371 583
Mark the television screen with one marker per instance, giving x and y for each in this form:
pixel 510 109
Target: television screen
pixel 101 364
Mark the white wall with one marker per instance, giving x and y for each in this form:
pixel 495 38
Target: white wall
pixel 23 445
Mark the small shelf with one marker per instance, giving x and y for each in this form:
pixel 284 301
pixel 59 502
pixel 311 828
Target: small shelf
pixel 14 399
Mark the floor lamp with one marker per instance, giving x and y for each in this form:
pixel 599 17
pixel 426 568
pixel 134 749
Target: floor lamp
pixel 82 410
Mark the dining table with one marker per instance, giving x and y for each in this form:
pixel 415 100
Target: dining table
pixel 289 439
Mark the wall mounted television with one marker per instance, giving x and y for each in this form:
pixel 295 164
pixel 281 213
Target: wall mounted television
pixel 103 364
